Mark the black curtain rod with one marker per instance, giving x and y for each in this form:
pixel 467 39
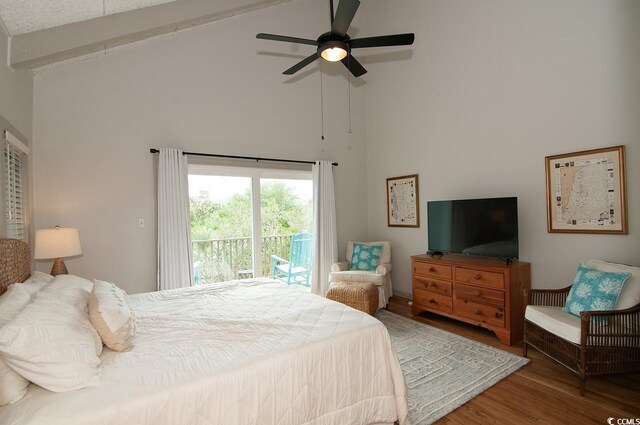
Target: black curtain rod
pixel 252 158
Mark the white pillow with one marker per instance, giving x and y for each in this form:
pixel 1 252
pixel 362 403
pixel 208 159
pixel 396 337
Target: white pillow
pixel 12 386
pixel 12 302
pixel 51 341
pixel 110 314
pixel 70 289
pixel 630 294
pixel 37 276
pixel 36 282
pixel 33 288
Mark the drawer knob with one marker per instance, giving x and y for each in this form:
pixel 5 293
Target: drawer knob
pixel 432 270
pixel 499 315
pixel 477 312
pixel 477 277
pixel 432 301
pixel 477 293
pixel 431 284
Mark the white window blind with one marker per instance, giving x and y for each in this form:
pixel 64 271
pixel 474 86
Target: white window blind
pixel 14 169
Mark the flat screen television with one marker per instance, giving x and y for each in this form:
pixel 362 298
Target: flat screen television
pixel 485 227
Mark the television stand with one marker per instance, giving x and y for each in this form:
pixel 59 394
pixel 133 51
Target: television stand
pixel 478 290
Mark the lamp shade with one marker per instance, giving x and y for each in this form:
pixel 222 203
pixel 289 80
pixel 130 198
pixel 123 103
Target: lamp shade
pixel 57 243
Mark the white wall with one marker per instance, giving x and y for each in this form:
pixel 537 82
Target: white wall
pixel 16 94
pixel 489 89
pixel 212 89
pixel 16 110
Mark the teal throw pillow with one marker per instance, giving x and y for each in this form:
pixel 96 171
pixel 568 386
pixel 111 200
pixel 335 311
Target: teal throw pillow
pixel 594 290
pixel 365 257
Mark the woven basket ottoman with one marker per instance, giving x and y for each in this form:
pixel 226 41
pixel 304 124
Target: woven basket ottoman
pixel 358 295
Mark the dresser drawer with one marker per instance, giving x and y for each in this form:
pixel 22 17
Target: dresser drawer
pixel 479 312
pixel 479 295
pixel 482 278
pixel 432 301
pixel 435 286
pixel 432 270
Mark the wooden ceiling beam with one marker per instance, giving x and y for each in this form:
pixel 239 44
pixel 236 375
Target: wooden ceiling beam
pixel 65 42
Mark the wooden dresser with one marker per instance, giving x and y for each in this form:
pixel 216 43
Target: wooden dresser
pixel 482 291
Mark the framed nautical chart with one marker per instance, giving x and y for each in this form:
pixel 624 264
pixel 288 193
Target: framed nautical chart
pixel 586 192
pixel 402 201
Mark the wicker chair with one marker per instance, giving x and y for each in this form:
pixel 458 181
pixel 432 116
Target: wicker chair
pixel 608 342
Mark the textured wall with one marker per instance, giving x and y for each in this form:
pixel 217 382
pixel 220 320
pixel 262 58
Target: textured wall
pixel 488 90
pixel 212 89
pixel 16 92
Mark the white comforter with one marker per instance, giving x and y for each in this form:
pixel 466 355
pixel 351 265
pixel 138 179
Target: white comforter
pixel 241 352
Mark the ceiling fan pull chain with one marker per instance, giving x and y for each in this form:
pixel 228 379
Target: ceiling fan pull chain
pixel 349 90
pixel 321 106
pixel 104 13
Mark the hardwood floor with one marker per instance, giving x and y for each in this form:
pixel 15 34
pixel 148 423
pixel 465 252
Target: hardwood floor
pixel 542 392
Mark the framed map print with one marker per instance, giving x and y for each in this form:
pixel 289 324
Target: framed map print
pixel 402 201
pixel 586 192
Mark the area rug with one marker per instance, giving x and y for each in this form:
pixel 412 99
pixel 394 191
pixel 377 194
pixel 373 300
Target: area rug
pixel 443 370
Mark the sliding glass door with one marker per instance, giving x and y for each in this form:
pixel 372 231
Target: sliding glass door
pixel 243 222
pixel 221 227
pixel 286 220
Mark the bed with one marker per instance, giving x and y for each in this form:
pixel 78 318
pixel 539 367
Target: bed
pixel 238 352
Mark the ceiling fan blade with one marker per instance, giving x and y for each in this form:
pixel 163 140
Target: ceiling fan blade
pixel 287 39
pixel 331 11
pixel 344 15
pixel 383 40
pixel 304 62
pixel 354 66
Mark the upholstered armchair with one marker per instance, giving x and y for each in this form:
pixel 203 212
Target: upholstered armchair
pixel 380 277
pixel 597 342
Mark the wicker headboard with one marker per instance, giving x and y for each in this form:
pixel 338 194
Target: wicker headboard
pixel 15 265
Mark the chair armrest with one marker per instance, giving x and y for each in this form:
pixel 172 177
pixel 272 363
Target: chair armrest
pixel 276 259
pixel 611 327
pixel 384 269
pixel 547 297
pixel 340 267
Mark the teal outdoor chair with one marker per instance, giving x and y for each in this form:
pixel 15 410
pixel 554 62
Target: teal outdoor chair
pixel 196 273
pixel 296 270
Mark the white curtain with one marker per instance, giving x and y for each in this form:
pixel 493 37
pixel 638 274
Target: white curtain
pixel 324 222
pixel 174 231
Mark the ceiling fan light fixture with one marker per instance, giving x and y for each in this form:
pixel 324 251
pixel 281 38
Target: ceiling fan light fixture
pixel 333 51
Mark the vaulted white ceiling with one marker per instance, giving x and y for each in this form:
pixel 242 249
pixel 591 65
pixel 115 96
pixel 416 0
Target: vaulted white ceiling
pixel 48 31
pixel 23 16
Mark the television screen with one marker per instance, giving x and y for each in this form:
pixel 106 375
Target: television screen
pixel 487 227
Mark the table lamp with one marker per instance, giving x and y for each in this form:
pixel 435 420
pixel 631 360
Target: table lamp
pixel 57 243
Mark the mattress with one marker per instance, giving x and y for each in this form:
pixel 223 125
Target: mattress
pixel 240 352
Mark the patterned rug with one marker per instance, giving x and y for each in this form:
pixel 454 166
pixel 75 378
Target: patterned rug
pixel 443 370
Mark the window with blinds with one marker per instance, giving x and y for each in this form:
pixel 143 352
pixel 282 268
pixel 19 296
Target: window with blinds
pixel 14 170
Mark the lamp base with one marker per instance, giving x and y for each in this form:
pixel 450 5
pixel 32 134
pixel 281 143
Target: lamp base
pixel 58 267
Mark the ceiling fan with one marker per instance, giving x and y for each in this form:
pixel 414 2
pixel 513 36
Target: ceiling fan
pixel 336 45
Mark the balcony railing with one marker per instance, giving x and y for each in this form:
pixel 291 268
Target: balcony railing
pixel 226 259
